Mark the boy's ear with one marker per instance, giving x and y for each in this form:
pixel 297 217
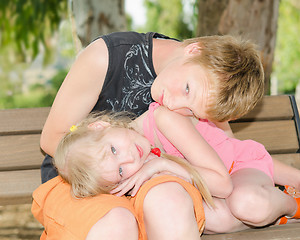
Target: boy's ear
pixel 192 48
pixel 99 125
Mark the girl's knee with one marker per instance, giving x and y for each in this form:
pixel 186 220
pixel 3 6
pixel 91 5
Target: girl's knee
pixel 122 217
pixel 251 205
pixel 163 209
pixel 116 224
pixel 220 219
pixel 170 194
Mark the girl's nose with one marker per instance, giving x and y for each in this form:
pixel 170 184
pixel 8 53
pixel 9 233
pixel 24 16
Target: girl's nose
pixel 127 158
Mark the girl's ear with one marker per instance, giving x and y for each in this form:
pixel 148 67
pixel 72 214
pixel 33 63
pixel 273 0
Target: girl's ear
pixel 99 125
pixel 192 48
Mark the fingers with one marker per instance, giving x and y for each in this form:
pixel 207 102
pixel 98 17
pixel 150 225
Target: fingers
pixel 122 188
pixel 132 185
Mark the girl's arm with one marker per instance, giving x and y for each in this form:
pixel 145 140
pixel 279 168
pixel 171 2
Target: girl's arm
pixel 181 132
pixel 77 95
pixel 153 167
pixel 225 127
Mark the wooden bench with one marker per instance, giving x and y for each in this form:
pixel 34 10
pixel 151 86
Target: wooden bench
pixel 274 123
pixel 20 155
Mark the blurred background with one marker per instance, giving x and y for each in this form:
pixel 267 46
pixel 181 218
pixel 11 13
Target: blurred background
pixel 40 39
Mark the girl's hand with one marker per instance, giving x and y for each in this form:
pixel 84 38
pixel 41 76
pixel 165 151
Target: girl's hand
pixel 152 168
pixel 134 182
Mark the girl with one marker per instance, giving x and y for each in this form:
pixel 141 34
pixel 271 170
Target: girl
pixel 86 158
pixel 243 160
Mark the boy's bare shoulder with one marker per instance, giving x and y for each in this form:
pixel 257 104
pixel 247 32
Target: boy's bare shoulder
pixel 95 52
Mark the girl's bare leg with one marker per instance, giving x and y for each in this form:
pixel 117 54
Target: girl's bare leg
pixel 220 219
pixel 286 175
pixel 169 213
pixel 119 223
pixel 255 201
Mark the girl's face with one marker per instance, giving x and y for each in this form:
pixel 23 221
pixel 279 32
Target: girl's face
pixel 124 151
pixel 182 87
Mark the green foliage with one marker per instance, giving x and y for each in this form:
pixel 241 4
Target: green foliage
pixel 33 28
pixel 37 95
pixel 287 52
pixel 24 24
pixel 168 18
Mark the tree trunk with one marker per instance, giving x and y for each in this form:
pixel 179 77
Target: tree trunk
pixel 98 17
pixel 251 19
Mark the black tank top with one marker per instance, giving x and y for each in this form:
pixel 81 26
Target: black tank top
pixel 130 72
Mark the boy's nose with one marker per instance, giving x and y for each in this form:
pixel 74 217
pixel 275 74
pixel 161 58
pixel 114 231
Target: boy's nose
pixel 175 104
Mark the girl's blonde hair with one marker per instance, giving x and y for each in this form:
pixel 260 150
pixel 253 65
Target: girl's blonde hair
pixel 197 180
pixel 75 154
pixel 235 72
pixel 74 158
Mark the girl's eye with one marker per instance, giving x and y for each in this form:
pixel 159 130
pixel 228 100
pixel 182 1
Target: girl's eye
pixel 113 150
pixel 120 171
pixel 187 89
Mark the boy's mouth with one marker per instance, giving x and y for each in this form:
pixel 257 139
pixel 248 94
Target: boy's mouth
pixel 140 151
pixel 160 100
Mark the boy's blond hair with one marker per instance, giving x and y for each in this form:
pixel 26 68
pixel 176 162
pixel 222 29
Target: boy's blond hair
pixel 235 72
pixel 75 157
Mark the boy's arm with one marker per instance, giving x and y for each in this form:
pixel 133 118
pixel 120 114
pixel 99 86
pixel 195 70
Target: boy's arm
pixel 181 132
pixel 77 95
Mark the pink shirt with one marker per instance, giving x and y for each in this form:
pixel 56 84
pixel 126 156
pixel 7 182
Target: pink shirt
pixel 235 154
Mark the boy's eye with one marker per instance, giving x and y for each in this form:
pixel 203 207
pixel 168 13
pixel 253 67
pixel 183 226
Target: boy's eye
pixel 120 171
pixel 113 150
pixel 187 89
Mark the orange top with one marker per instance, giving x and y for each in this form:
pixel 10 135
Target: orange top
pixel 65 217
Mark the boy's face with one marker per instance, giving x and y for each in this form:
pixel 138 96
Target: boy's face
pixel 125 152
pixel 182 87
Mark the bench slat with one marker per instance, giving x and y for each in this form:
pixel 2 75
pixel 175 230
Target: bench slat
pixel 17 186
pixel 282 232
pixel 276 136
pixel 20 152
pixel 271 108
pixel 25 120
